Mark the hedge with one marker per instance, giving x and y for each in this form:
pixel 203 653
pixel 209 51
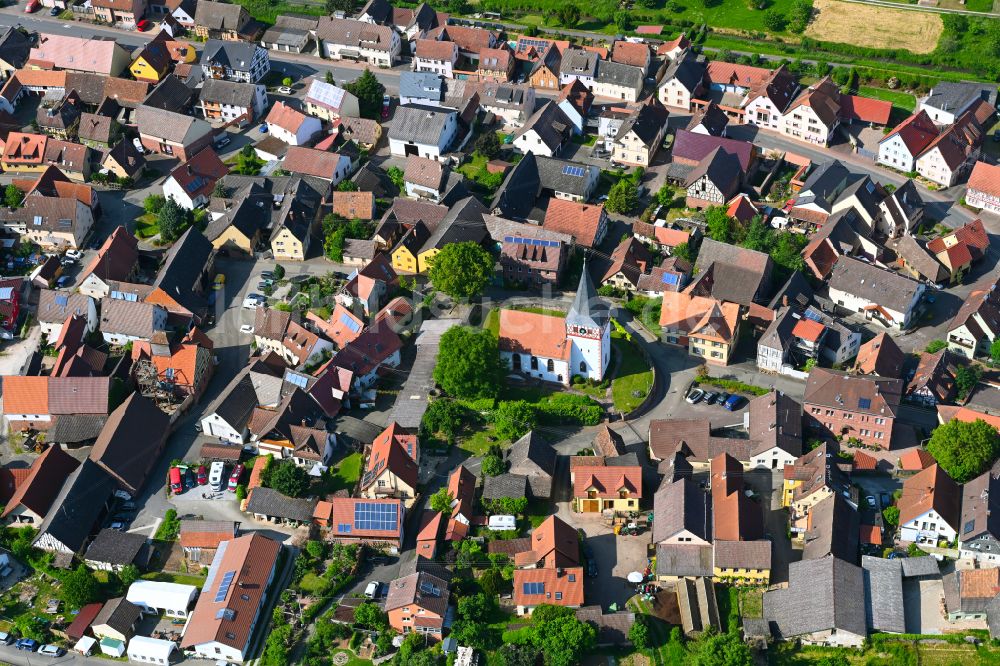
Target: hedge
pixel 732 385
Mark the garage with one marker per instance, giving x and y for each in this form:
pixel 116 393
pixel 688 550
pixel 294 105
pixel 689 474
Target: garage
pixel 590 505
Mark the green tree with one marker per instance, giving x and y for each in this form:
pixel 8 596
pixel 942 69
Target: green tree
pixel 469 553
pixel 774 20
pixel 623 197
pixel 444 416
pixel 722 650
pixel 638 633
pixel 665 195
pixel 995 351
pixel 568 15
pixel 683 251
pixel 461 270
pixel 369 92
pixel 800 13
pixel 12 197
pixel 718 225
pixel 966 378
pixel 441 501
pixel 758 236
pixel 834 660
pixel 346 6
pixel 220 190
pixel 278 271
pixel 129 574
pixel 556 633
pixel 514 654
pixel 368 614
pixel 488 144
pixel 891 515
pixel 315 549
pixel 172 220
pixel 493 465
pixel 153 203
pixel 964 449
pixel 509 506
pixel 289 479
pixel 624 21
pixel 397 177
pixel 79 587
pixel 347 186
pixel 468 364
pixel 477 608
pixel 787 251
pixel 514 418
pixel 934 346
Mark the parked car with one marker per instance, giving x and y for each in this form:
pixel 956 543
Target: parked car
pixel 733 403
pixel 119 525
pixel 284 90
pixel 176 486
pixel 64 281
pixel 695 396
pixel 870 499
pixel 254 301
pixel 267 275
pixel 5 638
pixel 202 475
pixel 137 144
pixel 246 328
pixel 30 8
pixel 220 282
pixel 26 644
pixel 51 651
pixel 710 397
pixel 386 105
pixel 885 498
pixel 222 142
pixel 371 591
pixel 234 478
pixel 67 261
pixel 74 254
pixel 721 398
pixel 263 128
pixel 128 506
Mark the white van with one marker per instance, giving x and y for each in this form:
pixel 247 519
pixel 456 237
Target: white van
pixel 372 590
pixel 217 476
pixel 500 523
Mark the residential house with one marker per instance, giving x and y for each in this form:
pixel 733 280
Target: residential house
pixel 768 99
pixel 640 136
pixel 705 326
pixel 98 132
pixel 222 624
pixel 279 332
pixel 76 510
pixel 545 132
pixel 349 39
pixel 533 261
pixel 629 261
pixel 290 34
pixel 54 307
pixel 34 495
pixel 470 40
pixel 333 167
pixel 127 321
pixel 170 133
pixel 812 478
pixel 124 161
pixel 531 456
pixel 354 205
pixel 634 54
pixel 861 407
pixel 959 249
pixel 392 466
pixel 977 323
pixel 422 130
pixel 984 187
pixel 814 114
pixel 948 100
pixel 365 133
pixel 832 529
pixel 54 214
pixel 15 48
pixel 190 184
pixel 563 179
pixel 290 125
pixel 543 69
pixel 423 88
pixel 899 148
pixel 933 381
pixel 424 177
pixel 740 551
pixel 879 294
pixel 575 100
pixel 682 82
pixel 693 441
pixel 62 119
pixel 329 102
pixel 578 65
pixel 370 286
pixel 552 586
pixel 82 54
pixel 232 101
pixel 112 550
pixel 711 120
pixel 586 223
pixel 950 156
pixel 435 57
pixel 714 181
pixel 126 13
pixel 418 603
pixel 512 104
pixel 219 20
pixel 618 81
pixel 601 487
pixel 377 523
pixel 183 368
pixel 184 276
pixel 496 64
pixel 971 596
pixel 880 356
pixel 979 539
pixel 930 507
pixel 918 263
pixel 131 442
pixel 117 620
pixel 774 423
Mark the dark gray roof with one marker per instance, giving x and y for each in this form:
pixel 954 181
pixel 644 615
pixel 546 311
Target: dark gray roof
pixel 464 222
pixel 867 193
pixel 182 270
pixel 588 310
pixel 916 255
pixel 722 169
pixel 420 124
pixel 835 530
pixel 14 47
pixel 371 178
pixel 505 485
pixel 688 70
pixel 218 15
pixel 646 121
pixel 550 123
pixel 290 30
pixel 552 172
pixel 271 503
pixel 683 560
pixel 919 566
pixel 535 458
pixel 379 11
pixel 874 284
pixel 797 290
pixel 578 62
pixel 612 628
pixel 75 428
pixel 517 194
pixel 825 184
pixel 981 507
pixel 114 547
pixel 75 511
pixel 234 93
pixel 131 441
pixel 883 594
pixel 822 594
pixel 681 505
pixel 234 55
pixel 957 96
pixel 421 85
pixel 170 94
pixel 118 614
pixel 616 73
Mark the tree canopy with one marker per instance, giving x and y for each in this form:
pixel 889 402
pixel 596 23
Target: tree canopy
pixel 369 615
pixel 12 196
pixel 461 270
pixel 963 449
pixel 514 418
pixel 441 501
pixel 493 465
pixel 369 92
pixel 555 631
pixel 79 587
pixel 172 220
pixel 488 144
pixel 623 197
pixel 289 479
pixel 468 364
pixel 726 649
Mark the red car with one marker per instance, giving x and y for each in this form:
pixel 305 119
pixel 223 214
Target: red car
pixel 234 480
pixel 202 476
pixel 386 104
pixel 143 25
pixel 176 484
pixel 32 6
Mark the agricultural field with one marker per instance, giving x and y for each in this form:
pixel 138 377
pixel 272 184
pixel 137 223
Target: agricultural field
pixel 875 27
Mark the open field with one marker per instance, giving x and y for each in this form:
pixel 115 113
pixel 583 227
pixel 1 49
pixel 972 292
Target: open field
pixel 875 27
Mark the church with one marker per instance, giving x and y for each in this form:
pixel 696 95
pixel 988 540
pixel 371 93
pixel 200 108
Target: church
pixel 554 349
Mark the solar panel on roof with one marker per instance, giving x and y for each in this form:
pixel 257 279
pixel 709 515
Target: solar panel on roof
pixel 534 588
pixel 669 278
pixel 813 315
pixel 296 379
pixel 227 580
pixel 571 170
pixel 376 516
pixel 864 403
pixel 347 321
pixel 62 299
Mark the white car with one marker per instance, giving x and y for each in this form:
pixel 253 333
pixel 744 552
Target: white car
pixel 51 651
pixel 246 328
pixel 74 254
pixel 284 90
pixel 372 590
pixel 138 146
pixel 253 301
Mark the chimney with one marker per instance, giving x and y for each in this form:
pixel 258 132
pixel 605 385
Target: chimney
pixel 784 300
pixel 189 170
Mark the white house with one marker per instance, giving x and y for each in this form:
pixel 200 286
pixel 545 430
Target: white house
pixel 948 100
pixel 235 61
pixel 545 132
pixel 814 115
pixel 150 650
pixel 291 125
pixel 929 509
pixel 951 155
pixel 880 295
pixel 618 81
pixel 578 65
pixel 899 148
pixel 230 100
pixel 764 106
pixel 422 130
pixel 155 597
pixel 984 187
pixel 682 82
pixel 554 349
pixel 348 39
pixel 54 307
pixel 123 322
pixel 329 102
pixel 435 57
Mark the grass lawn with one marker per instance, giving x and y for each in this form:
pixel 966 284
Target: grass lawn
pixel 479 442
pixel 647 311
pixel 979 5
pixel 538 310
pixel 585 140
pixel 472 167
pixel 181 579
pixel 537 512
pixel 146 226
pixel 634 376
pixel 344 475
pixel 311 583
pixel 751 602
pixel 903 100
pixel 492 322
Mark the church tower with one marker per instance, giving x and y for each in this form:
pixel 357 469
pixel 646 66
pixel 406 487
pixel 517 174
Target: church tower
pixel 588 331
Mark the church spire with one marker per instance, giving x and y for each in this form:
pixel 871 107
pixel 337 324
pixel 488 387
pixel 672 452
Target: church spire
pixel 588 310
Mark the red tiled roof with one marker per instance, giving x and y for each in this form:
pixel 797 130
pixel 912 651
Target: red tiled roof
pixel 648 29
pixel 286 117
pixel 728 73
pixel 81 623
pixel 607 481
pixel 871 534
pixel 915 460
pixel 864 462
pixel 25 395
pixel 47 474
pixel 582 221
pixel 865 109
pixel 198 175
pixel 740 208
pixel 681 41
pixel 917 132
pixel 394 450
pixel 351 205
pixel 343 514
pixel 807 329
pixel 559 589
pixel 534 333
pixel 431 49
pixel 984 178
pixel 630 53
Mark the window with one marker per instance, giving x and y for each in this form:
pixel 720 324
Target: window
pixel 558 596
pixel 583 366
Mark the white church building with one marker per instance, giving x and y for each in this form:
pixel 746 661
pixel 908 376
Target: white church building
pixel 553 348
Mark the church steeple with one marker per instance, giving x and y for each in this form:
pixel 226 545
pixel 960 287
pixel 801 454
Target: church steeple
pixel 588 310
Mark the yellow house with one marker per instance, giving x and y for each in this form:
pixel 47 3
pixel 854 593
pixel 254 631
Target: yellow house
pixel 153 61
pixel 406 254
pixel 290 243
pixel 143 70
pixel 598 488
pixel 235 239
pixel 707 327
pixel 742 562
